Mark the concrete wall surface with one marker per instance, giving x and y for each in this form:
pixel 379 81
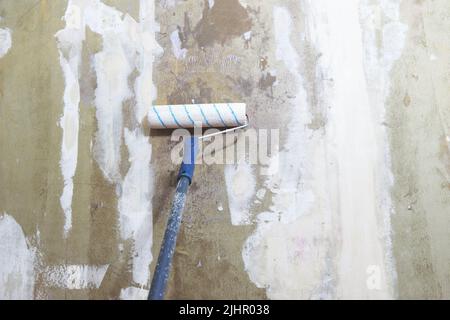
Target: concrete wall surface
pixel 351 202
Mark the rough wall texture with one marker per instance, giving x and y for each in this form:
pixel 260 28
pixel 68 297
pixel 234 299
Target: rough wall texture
pixel 354 204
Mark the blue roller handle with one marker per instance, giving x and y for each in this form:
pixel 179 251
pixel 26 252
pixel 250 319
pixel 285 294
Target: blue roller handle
pixel 163 266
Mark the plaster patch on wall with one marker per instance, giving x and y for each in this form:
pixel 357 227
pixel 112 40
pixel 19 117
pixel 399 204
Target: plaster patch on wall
pixel 241 187
pixel 5 41
pixel 17 258
pixel 74 277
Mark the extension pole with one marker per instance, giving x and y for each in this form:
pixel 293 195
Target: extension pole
pixel 163 266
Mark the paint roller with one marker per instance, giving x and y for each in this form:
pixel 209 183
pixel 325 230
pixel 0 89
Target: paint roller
pixel 230 117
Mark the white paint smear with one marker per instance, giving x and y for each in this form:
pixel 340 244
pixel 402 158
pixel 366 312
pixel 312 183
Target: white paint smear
pixel 379 62
pixel 135 203
pixel 135 207
pixel 133 293
pixel 127 46
pixel 169 3
pixel 122 40
pixel 147 48
pixel 74 277
pixel 287 253
pixel 352 145
pixel 16 261
pixel 70 41
pixel 241 187
pixel 178 51
pixel 327 233
pixel 5 41
pixel 113 65
pixel 356 143
pixel 261 193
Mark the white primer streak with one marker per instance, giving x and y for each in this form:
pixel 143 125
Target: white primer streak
pixel 70 41
pixel 378 66
pixel 169 3
pixel 113 65
pixel 286 253
pixel 5 41
pixel 74 277
pixel 241 187
pixel 127 45
pixel 178 52
pixel 356 141
pixel 327 232
pixel 135 207
pixel 133 293
pixel 16 262
pixel 135 203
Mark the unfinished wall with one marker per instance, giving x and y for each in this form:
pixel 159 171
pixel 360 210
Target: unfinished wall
pixel 354 204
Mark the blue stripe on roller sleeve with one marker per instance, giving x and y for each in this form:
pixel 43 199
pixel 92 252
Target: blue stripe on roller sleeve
pixel 189 116
pixel 204 117
pixel 159 117
pixel 234 115
pixel 220 116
